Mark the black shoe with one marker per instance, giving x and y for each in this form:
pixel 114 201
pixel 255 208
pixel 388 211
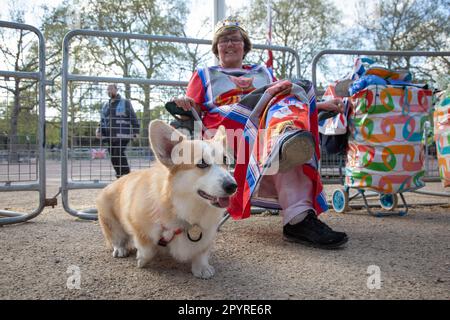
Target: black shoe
pixel 313 232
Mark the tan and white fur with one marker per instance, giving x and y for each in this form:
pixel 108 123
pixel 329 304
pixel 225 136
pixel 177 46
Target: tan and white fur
pixel 145 206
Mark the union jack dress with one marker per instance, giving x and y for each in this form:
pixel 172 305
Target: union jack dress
pixel 256 124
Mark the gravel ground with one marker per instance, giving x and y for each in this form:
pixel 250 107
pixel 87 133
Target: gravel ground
pixel 38 259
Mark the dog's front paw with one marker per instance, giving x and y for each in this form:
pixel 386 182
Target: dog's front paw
pixel 141 263
pixel 120 252
pixel 203 272
pixel 143 255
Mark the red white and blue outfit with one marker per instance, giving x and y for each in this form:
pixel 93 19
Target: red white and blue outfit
pixel 219 92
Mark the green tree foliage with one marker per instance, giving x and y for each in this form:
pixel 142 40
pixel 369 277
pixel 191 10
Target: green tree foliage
pixel 56 23
pixel 409 25
pixel 108 56
pixel 19 95
pixel 141 59
pixel 306 26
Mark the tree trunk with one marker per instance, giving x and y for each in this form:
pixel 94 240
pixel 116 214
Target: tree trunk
pixel 146 115
pixel 13 134
pixel 126 74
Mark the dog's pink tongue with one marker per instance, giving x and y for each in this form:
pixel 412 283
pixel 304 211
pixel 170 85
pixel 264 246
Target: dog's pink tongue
pixel 224 202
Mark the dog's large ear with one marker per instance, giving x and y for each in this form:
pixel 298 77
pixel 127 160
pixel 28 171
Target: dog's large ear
pixel 221 138
pixel 163 138
pixel 221 135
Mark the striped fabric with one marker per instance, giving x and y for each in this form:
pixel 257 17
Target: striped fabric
pixel 220 94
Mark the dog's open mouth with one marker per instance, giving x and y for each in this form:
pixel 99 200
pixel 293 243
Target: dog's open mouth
pixel 220 202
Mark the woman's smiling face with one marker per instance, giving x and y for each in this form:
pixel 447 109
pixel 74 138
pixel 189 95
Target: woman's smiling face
pixel 231 49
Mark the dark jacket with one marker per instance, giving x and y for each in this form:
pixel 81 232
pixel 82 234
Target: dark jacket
pixel 118 119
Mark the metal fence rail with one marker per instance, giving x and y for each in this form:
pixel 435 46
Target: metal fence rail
pixel 22 157
pixel 88 157
pixel 78 169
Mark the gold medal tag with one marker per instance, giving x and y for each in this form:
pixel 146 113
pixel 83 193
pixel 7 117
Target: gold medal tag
pixel 194 233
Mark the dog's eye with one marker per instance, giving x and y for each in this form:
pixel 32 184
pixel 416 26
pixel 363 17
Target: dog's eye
pixel 202 165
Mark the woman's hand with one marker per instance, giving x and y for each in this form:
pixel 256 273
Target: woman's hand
pixel 186 103
pixel 280 87
pixel 335 105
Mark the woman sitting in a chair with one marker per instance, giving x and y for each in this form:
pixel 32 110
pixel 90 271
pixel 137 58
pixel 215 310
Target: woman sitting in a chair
pixel 283 174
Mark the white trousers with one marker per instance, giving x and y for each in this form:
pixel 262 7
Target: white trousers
pixel 295 192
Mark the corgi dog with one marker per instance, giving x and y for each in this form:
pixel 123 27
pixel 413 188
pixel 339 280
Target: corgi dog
pixel 175 206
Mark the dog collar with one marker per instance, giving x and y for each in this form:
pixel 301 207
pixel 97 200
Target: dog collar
pixel 194 233
pixel 163 241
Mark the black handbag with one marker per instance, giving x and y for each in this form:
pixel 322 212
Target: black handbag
pixel 179 122
pixel 332 144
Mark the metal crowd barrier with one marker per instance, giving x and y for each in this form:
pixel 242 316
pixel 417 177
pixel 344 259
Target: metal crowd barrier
pixel 75 161
pixel 22 165
pixel 68 180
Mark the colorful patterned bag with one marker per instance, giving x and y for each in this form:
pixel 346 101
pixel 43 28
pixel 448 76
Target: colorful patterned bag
pixel 442 136
pixel 386 150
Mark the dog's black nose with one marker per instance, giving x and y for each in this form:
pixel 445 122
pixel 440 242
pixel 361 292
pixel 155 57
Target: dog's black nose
pixel 229 187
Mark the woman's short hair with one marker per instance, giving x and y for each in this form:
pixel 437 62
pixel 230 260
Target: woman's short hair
pixel 226 26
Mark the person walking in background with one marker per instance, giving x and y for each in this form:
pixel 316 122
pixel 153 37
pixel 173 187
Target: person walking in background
pixel 118 125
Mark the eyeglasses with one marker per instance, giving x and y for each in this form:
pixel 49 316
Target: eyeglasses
pixel 234 41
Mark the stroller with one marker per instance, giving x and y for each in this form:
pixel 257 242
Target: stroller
pixel 385 151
